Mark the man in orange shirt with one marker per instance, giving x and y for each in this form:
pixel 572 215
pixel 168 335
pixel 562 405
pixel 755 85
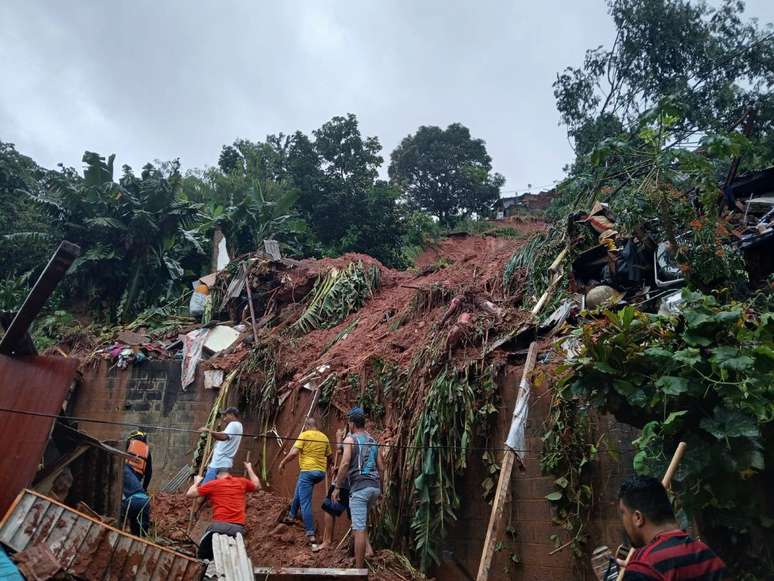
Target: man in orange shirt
pixel 228 496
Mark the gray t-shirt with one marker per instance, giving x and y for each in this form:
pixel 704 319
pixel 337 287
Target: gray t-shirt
pixel 224 451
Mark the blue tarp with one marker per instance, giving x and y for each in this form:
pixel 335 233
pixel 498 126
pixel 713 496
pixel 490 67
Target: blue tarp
pixel 8 571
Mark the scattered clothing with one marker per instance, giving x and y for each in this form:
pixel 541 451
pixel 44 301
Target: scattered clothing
pixel 224 450
pixel 675 556
pixel 303 497
pixel 315 449
pixel 227 497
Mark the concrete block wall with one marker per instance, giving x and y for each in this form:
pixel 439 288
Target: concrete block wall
pixel 148 394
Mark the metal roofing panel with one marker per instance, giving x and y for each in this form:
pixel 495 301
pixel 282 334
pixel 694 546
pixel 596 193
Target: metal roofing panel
pixel 88 548
pixel 36 384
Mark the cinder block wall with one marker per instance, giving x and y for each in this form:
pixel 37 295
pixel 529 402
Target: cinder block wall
pixel 147 394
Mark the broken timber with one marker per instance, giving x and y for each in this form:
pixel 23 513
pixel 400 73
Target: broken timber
pixel 311 574
pixel 88 548
pixel 63 257
pixel 506 469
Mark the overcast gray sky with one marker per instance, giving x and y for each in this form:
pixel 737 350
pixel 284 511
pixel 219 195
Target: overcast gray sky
pixel 158 80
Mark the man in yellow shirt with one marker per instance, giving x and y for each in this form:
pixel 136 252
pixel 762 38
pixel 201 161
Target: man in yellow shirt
pixel 314 451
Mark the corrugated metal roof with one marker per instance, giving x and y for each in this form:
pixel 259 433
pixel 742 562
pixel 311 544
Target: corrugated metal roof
pixel 34 384
pixel 88 548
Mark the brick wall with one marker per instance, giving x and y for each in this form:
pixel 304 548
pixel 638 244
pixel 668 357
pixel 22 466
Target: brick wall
pixel 528 514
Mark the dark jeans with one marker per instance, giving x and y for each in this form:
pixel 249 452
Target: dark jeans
pixel 136 511
pixel 222 528
pixel 303 497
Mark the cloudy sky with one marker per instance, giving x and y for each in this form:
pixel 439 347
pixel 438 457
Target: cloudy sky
pixel 149 80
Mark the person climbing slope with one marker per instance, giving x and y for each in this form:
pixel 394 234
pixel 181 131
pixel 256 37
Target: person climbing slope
pixel 362 464
pixel 226 445
pixel 313 450
pixel 228 496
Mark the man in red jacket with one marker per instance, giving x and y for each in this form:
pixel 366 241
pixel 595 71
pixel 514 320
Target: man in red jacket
pixel 665 552
pixel 228 496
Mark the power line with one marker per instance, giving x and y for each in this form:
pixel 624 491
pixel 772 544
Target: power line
pixel 263 436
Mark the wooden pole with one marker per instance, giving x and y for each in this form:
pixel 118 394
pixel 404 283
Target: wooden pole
pixel 250 303
pixel 666 482
pixel 503 486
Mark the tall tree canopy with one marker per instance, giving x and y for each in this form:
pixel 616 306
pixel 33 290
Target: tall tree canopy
pixel 446 172
pixel 707 58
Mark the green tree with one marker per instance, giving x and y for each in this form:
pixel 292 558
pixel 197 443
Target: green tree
pixel 708 58
pixel 135 234
pixel 347 209
pixel 446 172
pixel 249 197
pixel 27 236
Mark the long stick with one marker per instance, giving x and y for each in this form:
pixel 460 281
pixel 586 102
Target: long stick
pixel 250 303
pixel 666 481
pixel 503 484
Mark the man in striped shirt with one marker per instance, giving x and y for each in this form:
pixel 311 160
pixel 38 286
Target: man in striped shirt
pixel 666 553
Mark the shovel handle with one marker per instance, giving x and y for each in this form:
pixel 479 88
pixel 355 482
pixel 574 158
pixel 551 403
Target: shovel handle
pixel 666 481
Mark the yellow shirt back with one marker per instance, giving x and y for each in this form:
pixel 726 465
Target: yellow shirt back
pixel 315 449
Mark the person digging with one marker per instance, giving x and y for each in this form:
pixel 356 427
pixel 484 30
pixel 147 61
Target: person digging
pixel 313 450
pixel 228 496
pixel 363 466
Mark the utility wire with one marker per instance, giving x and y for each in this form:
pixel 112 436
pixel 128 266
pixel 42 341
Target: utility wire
pixel 264 436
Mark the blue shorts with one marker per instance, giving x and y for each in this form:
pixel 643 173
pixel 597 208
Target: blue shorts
pixel 211 474
pixel 360 502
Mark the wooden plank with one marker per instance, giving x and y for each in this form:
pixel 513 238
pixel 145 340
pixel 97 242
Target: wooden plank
pixel 57 266
pixel 176 573
pixel 163 566
pixel 76 540
pixel 119 563
pixel 95 542
pixel 148 566
pixel 47 525
pixel 23 534
pixel 271 573
pixel 503 484
pixel 59 539
pixel 15 517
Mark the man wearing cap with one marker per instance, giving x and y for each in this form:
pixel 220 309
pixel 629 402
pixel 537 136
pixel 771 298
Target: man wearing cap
pixel 363 465
pixel 313 450
pixel 226 445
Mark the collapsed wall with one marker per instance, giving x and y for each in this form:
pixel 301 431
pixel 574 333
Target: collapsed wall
pixel 450 316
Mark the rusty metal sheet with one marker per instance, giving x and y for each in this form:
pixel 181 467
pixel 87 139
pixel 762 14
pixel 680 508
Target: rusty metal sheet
pixel 37 384
pixel 88 548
